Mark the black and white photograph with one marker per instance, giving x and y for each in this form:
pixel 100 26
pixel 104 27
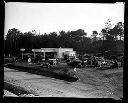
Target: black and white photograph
pixel 69 50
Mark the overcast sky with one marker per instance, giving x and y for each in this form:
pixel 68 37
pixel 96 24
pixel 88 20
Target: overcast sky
pixel 54 17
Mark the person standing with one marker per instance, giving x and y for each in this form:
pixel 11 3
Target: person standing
pixel 29 59
pixel 54 62
pixel 122 62
pixel 116 64
pixel 75 69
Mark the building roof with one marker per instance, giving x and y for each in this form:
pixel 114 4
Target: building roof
pixel 49 49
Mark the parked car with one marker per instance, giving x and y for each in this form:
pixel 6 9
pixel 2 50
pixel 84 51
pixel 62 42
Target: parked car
pixel 100 60
pixel 75 63
pixel 9 59
pixel 84 61
pixel 52 61
pixel 110 64
pixel 45 64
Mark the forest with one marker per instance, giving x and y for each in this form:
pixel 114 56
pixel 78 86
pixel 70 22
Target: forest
pixel 110 38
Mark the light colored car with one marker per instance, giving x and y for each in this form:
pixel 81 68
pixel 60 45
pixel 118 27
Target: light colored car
pixel 53 61
pixel 101 60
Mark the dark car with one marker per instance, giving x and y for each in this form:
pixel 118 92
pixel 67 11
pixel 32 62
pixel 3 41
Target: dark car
pixel 45 64
pixel 75 63
pixel 25 56
pixel 114 65
pixel 9 59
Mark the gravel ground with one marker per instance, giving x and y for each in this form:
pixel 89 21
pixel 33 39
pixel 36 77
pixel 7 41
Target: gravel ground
pixel 9 94
pixel 108 80
pixel 92 84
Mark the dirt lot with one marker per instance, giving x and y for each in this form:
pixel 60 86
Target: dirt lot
pixel 110 80
pixel 107 81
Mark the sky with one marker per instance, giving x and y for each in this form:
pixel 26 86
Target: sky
pixel 54 17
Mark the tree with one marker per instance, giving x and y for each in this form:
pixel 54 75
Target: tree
pixel 78 34
pixel 12 38
pixel 103 33
pixel 94 35
pixel 106 32
pixel 108 25
pixel 53 40
pixel 77 38
pixel 29 40
pixel 119 30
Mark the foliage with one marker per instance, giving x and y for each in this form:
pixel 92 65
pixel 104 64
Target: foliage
pixel 110 33
pixel 94 35
pixel 77 40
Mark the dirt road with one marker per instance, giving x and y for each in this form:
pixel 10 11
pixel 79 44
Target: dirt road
pixel 49 87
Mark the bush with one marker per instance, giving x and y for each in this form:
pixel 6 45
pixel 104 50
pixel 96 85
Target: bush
pixel 65 70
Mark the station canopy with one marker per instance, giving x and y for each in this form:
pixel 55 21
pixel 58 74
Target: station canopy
pixel 44 50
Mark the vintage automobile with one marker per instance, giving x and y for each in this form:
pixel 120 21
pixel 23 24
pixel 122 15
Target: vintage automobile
pixel 9 59
pixel 48 63
pixel 52 61
pixel 44 64
pixel 109 64
pixel 75 63
pixel 25 57
pixel 101 60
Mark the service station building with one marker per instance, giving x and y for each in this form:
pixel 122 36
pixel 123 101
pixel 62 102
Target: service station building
pixel 55 52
